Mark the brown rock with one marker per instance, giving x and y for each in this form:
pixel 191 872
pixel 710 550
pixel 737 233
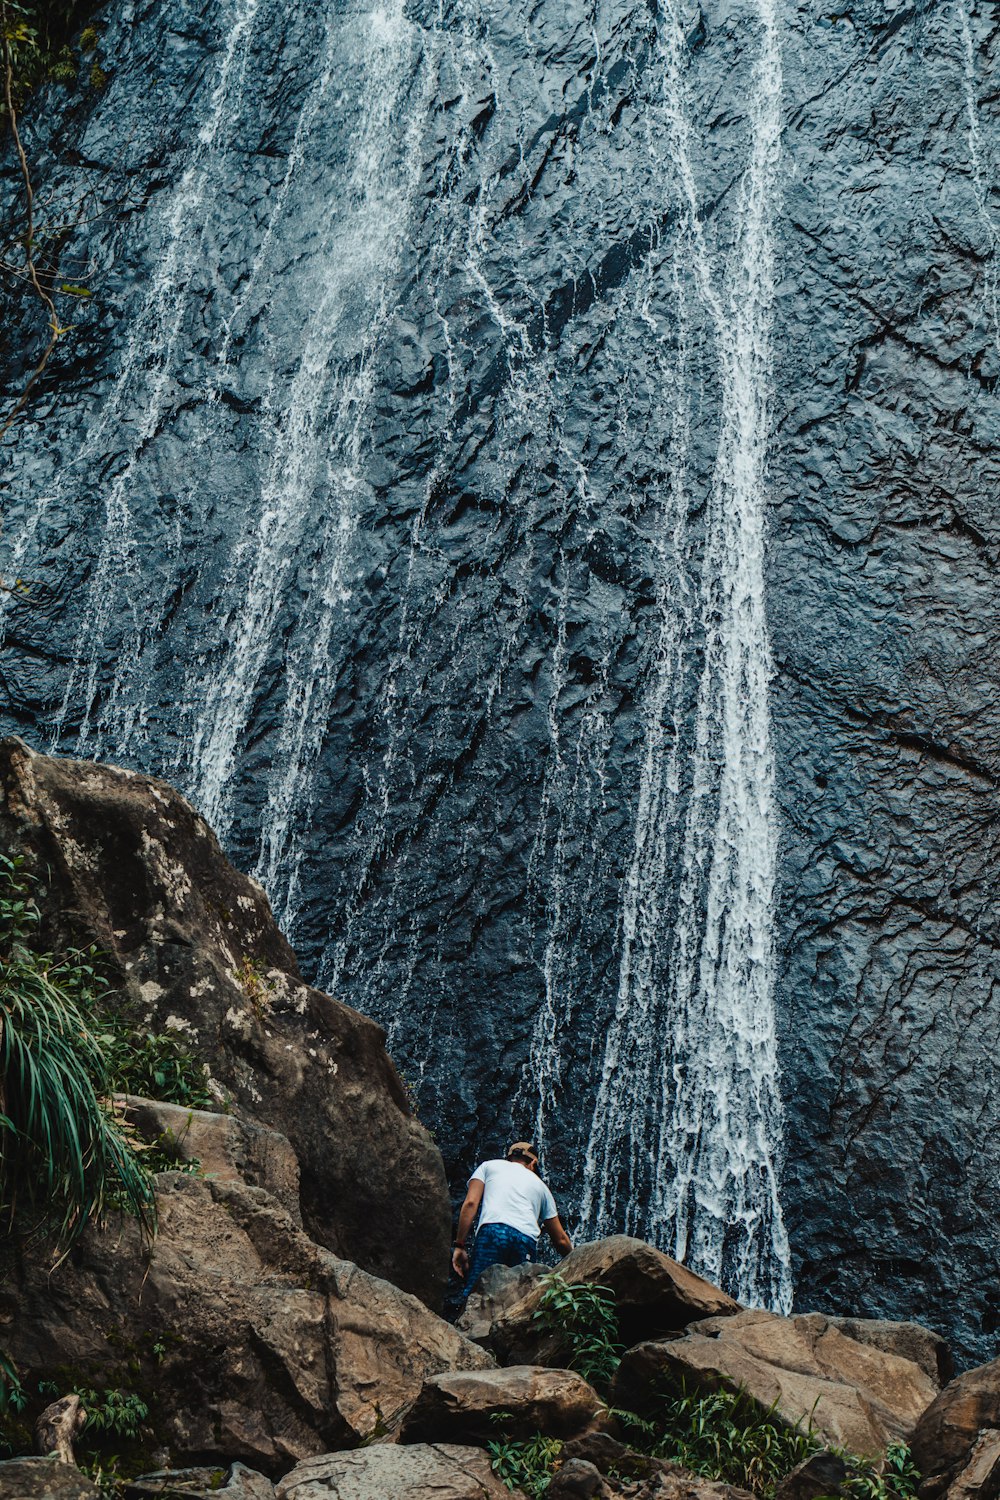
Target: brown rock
pixel 44 1479
pixel 465 1406
pixel 909 1340
pixel 226 1148
pixel 820 1474
pixel 495 1293
pixel 577 1479
pixel 58 1427
pixel 980 1478
pixel 950 1428
pixel 269 1348
pixel 653 1295
pixel 126 863
pixel 202 1483
pixel 851 1394
pixel 385 1472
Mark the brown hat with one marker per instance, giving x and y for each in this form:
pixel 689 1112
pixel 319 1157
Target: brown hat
pixel 522 1148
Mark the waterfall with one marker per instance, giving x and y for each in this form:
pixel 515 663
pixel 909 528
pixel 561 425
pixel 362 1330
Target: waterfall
pixel 317 441
pixel 704 1052
pixel 980 174
pixel 143 384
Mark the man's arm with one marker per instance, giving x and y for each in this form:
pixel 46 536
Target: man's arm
pixel 466 1219
pixel 557 1234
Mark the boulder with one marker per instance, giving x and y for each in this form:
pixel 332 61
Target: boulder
pixel 820 1474
pixel 851 1394
pixel 226 1148
pixel 423 1471
pixel 247 1340
pixel 653 1294
pixel 495 1293
pixel 592 1469
pixel 123 861
pixel 950 1428
pixel 201 1483
pixel 467 1406
pixel 44 1479
pixel 909 1340
pixel 980 1478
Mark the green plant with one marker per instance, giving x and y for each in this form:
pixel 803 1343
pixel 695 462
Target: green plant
pixel 37 36
pixel 257 987
pixel 896 1477
pixel 155 1064
pixel 527 1466
pixel 62 1150
pixel 12 1393
pixel 725 1435
pixel 113 1411
pixel 583 1315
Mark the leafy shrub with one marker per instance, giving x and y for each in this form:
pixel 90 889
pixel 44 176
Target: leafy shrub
pixel 62 1151
pixel 724 1435
pixel 583 1316
pixel 528 1465
pixel 157 1065
pixel 38 35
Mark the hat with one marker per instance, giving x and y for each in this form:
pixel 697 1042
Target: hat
pixel 522 1148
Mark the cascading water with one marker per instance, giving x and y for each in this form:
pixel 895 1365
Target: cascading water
pixel 463 595
pixel 980 174
pixel 703 1048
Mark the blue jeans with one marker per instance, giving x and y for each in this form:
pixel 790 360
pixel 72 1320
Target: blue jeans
pixel 497 1245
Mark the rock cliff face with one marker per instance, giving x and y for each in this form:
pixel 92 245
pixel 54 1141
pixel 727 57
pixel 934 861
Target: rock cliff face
pixel 126 863
pixel 400 496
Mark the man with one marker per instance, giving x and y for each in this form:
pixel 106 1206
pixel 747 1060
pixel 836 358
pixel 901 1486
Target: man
pixel 513 1206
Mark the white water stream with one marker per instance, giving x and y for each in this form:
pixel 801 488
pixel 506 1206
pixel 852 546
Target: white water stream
pixel 706 1049
pixel 686 1133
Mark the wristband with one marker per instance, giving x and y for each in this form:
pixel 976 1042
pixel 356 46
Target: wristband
pixel 458 1244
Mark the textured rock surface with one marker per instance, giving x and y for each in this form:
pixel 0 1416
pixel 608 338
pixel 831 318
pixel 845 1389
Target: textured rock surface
pixel 476 1406
pixel 127 864
pixel 226 1148
pixel 653 1295
pixel 855 1396
pixel 950 1428
pixel 492 341
pixel 43 1479
pixel 240 1483
pixel 497 1290
pixel 440 1471
pixel 268 1349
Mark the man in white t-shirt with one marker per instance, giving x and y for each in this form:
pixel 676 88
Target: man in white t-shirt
pixel 513 1205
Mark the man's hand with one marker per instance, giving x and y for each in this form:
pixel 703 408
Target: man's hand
pixel 460 1262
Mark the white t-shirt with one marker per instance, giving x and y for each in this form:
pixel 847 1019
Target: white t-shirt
pixel 513 1195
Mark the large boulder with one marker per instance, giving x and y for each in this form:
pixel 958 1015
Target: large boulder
pixel 473 1406
pixel 247 1340
pixel 653 1295
pixel 222 1147
pixel 950 1428
pixel 201 1483
pixel 44 1479
pixel 421 1472
pixel 498 1289
pixel 852 1394
pixel 125 862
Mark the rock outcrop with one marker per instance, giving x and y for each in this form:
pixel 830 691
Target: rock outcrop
pixel 126 863
pixel 247 1339
pixel 653 1295
pixel 441 1471
pixel 44 1479
pixel 949 1431
pixel 477 1406
pixel 851 1394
